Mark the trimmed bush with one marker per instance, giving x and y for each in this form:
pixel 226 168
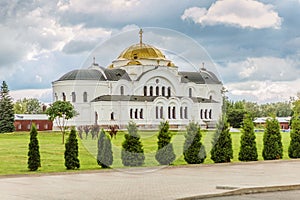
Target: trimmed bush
pixel 272 149
pixel 193 150
pixel 222 144
pixel 165 153
pixel 71 152
pixel 294 148
pixel 105 154
pixel 34 159
pixel 132 149
pixel 248 151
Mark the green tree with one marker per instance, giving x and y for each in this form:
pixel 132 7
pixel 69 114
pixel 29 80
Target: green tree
pixel 294 148
pixel 235 112
pixel 272 141
pixel 165 153
pixel 222 144
pixel 132 148
pixel 105 154
pixel 34 161
pixel 28 106
pixel 7 117
pixel 193 150
pixel 61 112
pixel 71 152
pixel 248 151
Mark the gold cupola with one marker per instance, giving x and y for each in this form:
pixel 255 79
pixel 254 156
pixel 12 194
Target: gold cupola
pixel 141 54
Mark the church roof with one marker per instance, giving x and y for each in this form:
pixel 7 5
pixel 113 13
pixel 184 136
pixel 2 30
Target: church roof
pixel 144 98
pixel 101 74
pixel 141 51
pixel 202 77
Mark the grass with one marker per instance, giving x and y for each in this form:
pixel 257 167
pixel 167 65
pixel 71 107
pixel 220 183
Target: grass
pixel 14 148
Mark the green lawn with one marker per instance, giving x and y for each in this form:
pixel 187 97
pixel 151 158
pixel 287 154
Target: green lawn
pixel 14 148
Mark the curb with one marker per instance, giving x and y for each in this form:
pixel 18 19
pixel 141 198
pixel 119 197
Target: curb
pixel 245 191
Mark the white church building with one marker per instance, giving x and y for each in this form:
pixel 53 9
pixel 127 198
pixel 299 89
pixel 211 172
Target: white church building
pixel 144 86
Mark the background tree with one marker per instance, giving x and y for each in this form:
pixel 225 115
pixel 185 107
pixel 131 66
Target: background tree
pixel 294 148
pixel 34 161
pixel 222 144
pixel 71 152
pixel 28 106
pixel 248 151
pixel 272 141
pixel 7 117
pixel 105 154
pixel 235 113
pixel 61 112
pixel 132 149
pixel 193 150
pixel 165 153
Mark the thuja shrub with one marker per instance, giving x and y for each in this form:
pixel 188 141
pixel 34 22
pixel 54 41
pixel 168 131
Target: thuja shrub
pixel 193 150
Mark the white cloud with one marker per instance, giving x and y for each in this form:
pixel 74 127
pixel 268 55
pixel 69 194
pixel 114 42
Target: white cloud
pixel 44 95
pixel 242 13
pixel 263 91
pixel 262 69
pixel 92 6
pixel 262 79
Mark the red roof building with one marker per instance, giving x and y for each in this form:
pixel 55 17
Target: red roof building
pixel 23 122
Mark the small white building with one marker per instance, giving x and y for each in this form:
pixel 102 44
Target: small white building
pixel 143 86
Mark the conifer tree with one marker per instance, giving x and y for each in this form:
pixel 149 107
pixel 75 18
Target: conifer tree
pixel 132 148
pixel 294 148
pixel 71 152
pixel 272 141
pixel 193 150
pixel 6 110
pixel 222 144
pixel 165 153
pixel 105 154
pixel 248 151
pixel 34 161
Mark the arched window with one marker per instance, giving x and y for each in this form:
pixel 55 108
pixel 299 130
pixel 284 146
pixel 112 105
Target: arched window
pixel 122 90
pixel 64 96
pixel 96 118
pixel 136 114
pixel 210 97
pixel 151 91
pixel 205 113
pixel 145 90
pixel 131 111
pixel 185 112
pixel 73 97
pixel 190 92
pixel 201 114
pixel 156 112
pixel 181 112
pixel 85 97
pixel 141 114
pixel 163 91
pixel 161 112
pixel 210 114
pixel 169 112
pixel 55 97
pixel 169 91
pixel 157 91
pixel 173 112
pixel 112 116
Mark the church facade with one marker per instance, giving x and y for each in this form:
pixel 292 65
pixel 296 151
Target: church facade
pixel 143 86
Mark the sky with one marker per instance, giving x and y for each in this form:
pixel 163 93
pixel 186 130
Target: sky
pixel 254 45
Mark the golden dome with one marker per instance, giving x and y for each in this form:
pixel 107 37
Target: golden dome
pixel 141 51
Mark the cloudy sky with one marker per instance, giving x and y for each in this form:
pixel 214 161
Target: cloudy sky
pixel 254 45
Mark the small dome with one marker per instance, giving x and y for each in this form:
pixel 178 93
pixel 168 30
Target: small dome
pixel 142 51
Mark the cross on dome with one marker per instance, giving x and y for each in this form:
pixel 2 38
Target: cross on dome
pixel 141 36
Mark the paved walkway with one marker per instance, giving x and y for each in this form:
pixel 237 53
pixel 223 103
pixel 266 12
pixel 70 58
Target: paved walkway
pixel 152 183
